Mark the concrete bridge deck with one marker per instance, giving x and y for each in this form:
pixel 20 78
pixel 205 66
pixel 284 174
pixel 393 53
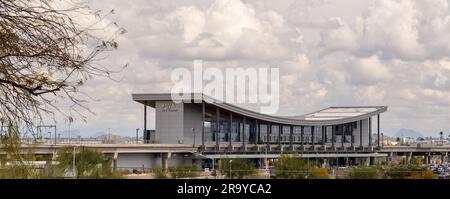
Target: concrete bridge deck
pixel 236 150
pixel 166 155
pixel 111 148
pixel 414 149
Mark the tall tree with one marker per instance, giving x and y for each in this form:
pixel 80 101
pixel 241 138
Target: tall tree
pixel 46 54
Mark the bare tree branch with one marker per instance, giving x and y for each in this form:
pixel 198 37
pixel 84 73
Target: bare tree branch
pixel 45 56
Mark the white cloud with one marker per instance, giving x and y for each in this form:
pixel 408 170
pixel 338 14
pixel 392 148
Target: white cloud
pixel 404 29
pixel 368 71
pixel 226 29
pixel 343 37
pixel 386 52
pixel 370 94
pixel 192 20
pixel 390 28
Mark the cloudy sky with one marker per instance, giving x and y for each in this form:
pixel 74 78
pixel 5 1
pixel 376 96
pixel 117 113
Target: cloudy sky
pixel 352 52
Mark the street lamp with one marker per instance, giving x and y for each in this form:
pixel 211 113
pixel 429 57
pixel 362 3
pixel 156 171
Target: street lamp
pixel 231 177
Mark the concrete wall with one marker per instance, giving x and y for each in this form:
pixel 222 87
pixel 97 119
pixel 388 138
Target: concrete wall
pixel 192 119
pixel 178 159
pixel 130 161
pixel 169 122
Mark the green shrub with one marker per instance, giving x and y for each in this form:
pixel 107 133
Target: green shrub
pixel 240 168
pixel 159 174
pixel 404 171
pixel 319 173
pixel 292 168
pixel 89 163
pixel 183 171
pixel 364 173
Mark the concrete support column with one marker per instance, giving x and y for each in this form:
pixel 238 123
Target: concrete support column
pixel 116 156
pixel 231 131
pixel 370 132
pixel 352 137
pixel 302 136
pixel 268 132
pixel 324 128
pixel 378 131
pixel 280 128
pixel 291 138
pixel 342 135
pixel 312 137
pixel 244 124
pixel 145 122
pixel 360 135
pixel 391 156
pixel 217 130
pixel 203 126
pixel 165 160
pixel 333 137
pixel 48 163
pixel 427 159
pixel 257 133
pixel 408 157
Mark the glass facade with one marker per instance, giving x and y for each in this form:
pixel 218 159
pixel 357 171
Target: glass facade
pixel 258 132
pixel 235 133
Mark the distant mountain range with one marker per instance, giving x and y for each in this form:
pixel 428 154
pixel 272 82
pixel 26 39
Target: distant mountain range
pixel 408 133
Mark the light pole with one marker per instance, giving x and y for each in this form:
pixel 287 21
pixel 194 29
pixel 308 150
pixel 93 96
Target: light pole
pixel 137 136
pixel 231 177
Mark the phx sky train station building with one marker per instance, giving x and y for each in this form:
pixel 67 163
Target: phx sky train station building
pixel 343 135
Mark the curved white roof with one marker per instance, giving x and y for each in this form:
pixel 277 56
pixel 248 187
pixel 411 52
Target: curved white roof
pixel 328 116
